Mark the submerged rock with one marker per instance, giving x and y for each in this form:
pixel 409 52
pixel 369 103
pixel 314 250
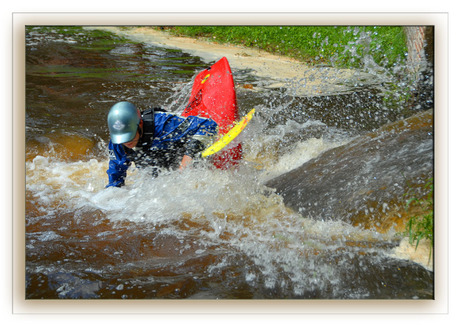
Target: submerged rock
pixel 368 181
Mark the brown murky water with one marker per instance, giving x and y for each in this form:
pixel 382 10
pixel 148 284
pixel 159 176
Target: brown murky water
pixel 202 234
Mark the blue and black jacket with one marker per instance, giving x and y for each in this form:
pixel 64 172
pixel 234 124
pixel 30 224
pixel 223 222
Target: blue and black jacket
pixel 165 140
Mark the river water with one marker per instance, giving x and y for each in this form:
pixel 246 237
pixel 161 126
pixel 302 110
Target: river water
pixel 200 234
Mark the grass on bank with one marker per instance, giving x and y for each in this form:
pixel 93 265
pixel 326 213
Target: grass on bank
pixel 343 46
pixel 421 226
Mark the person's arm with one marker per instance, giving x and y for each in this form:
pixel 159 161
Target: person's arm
pixel 196 131
pixel 118 165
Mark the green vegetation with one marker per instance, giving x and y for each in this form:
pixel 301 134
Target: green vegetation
pixel 421 226
pixel 345 46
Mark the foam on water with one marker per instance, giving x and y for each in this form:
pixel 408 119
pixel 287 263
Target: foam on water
pixel 230 209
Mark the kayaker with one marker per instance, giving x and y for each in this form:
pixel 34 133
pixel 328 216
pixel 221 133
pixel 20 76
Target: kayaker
pixel 153 138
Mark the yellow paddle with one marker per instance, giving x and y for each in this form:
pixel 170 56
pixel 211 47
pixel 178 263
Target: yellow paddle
pixel 229 136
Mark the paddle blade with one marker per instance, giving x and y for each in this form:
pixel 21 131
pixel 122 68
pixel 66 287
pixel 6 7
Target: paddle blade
pixel 229 136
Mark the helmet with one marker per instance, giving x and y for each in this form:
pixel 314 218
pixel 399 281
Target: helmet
pixel 123 120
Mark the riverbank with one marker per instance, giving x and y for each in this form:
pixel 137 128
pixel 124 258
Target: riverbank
pixel 278 71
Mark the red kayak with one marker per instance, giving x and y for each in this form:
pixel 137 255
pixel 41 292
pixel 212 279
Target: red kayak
pixel 213 96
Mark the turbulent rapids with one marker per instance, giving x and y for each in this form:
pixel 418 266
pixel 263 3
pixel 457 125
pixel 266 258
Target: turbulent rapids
pixel 204 233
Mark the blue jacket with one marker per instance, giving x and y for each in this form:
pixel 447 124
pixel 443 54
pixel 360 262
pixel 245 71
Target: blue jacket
pixel 170 137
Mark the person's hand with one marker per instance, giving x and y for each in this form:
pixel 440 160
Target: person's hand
pixel 186 160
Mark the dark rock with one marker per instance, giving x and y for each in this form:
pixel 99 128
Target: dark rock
pixel 367 181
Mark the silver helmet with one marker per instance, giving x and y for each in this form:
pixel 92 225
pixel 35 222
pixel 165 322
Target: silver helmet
pixel 123 120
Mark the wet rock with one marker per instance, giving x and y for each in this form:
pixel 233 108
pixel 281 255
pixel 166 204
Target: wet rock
pixel 375 278
pixel 367 181
pixel 69 286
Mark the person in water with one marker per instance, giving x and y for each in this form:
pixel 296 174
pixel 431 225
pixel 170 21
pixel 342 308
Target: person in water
pixel 153 138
